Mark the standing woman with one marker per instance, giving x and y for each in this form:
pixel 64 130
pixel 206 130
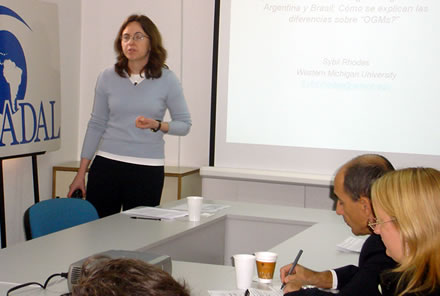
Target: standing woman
pixel 407 207
pixel 126 127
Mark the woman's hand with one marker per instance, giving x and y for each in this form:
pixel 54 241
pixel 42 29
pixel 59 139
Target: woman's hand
pixel 77 183
pixel 144 122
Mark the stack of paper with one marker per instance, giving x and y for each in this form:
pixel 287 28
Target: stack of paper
pixel 252 292
pixel 155 213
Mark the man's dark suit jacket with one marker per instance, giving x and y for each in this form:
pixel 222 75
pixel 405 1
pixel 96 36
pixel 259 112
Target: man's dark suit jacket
pixel 389 286
pixel 362 280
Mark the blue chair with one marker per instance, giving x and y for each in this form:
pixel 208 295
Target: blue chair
pixel 56 214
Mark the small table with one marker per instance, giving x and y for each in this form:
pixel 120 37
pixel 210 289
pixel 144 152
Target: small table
pixel 180 182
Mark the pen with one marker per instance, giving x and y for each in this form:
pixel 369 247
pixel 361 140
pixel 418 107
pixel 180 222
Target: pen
pixel 147 218
pixel 293 266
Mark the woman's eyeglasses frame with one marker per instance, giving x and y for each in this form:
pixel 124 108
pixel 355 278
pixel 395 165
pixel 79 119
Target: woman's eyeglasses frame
pixel 376 222
pixel 136 37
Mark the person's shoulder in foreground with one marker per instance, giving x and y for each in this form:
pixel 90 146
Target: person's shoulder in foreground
pixel 102 276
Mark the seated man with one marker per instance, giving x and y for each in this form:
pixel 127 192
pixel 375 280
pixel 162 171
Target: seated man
pixel 102 276
pixel 352 186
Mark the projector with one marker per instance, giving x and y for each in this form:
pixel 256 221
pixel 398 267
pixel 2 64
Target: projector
pixel 161 261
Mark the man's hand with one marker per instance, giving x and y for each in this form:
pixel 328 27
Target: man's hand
pixel 304 276
pixel 292 286
pixel 300 273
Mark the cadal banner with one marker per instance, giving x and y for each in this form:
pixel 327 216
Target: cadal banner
pixel 29 77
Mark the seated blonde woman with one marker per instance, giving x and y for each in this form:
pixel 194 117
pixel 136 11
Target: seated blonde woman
pixel 407 207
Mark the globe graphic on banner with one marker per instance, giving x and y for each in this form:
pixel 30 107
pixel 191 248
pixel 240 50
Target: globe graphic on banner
pixel 13 72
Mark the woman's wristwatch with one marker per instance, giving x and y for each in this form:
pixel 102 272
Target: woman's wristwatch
pixel 158 127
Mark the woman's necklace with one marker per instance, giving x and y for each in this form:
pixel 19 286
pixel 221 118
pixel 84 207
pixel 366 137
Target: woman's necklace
pixel 136 78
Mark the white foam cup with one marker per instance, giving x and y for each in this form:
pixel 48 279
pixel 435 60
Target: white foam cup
pixel 244 270
pixel 194 207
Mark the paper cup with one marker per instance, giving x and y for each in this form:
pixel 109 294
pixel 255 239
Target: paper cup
pixel 194 207
pixel 266 262
pixel 244 270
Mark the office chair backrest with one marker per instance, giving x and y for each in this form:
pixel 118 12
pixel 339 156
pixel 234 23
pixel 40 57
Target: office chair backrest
pixel 57 214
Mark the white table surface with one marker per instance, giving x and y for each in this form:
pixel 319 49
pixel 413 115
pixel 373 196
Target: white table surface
pixel 35 260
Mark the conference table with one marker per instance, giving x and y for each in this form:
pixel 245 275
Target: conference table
pixel 200 251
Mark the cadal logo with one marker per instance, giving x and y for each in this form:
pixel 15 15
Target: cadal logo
pixel 13 84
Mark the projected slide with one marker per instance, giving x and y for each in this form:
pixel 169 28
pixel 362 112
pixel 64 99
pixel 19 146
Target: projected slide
pixel 354 74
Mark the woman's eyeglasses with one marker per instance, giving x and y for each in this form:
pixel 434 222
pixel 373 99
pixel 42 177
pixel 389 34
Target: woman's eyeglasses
pixel 376 222
pixel 136 37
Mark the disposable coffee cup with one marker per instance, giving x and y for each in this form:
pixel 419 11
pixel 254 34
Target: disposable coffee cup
pixel 194 207
pixel 266 262
pixel 244 270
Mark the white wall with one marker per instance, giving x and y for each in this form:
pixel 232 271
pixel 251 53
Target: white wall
pixel 198 28
pixel 87 31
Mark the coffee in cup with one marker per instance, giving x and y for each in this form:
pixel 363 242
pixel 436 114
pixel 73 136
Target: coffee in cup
pixel 266 262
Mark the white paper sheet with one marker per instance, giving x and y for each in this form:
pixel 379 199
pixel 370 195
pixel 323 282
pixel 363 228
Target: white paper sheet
pixel 206 208
pixel 253 292
pixel 158 213
pixel 351 244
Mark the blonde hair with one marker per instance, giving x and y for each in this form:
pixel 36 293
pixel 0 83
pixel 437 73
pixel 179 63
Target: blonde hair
pixel 412 196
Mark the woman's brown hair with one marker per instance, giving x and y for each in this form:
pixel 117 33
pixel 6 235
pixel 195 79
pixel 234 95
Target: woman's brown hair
pixel 102 276
pixel 158 54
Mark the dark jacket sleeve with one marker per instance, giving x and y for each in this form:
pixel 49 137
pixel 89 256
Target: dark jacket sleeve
pixel 362 280
pixel 365 279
